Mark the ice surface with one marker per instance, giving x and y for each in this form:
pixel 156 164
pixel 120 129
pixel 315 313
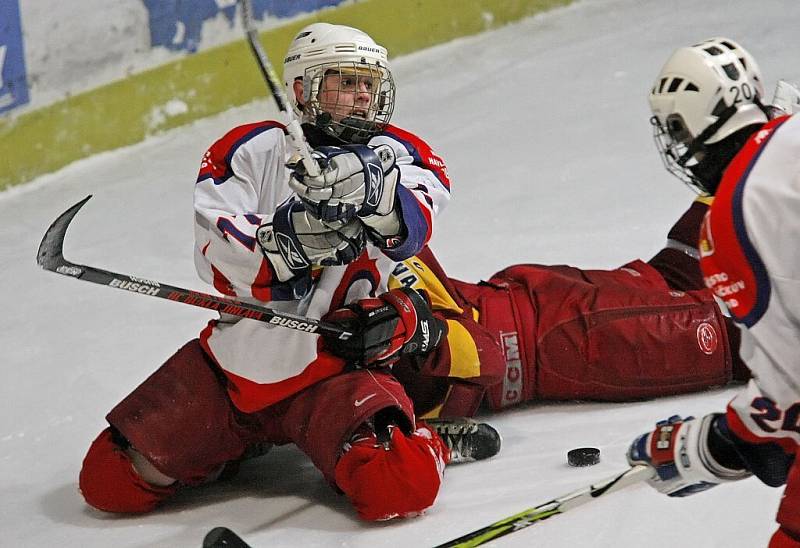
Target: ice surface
pixel 544 126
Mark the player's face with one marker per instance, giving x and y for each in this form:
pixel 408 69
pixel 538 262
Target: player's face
pixel 347 95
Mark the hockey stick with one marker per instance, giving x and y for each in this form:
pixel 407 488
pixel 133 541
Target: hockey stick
pixel 293 129
pixel 559 505
pixel 51 257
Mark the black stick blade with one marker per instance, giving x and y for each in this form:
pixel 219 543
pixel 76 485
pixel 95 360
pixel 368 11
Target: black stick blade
pixel 51 257
pixel 51 251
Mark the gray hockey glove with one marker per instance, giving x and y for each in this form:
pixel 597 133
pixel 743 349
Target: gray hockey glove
pixel 356 181
pixel 679 452
pixel 295 240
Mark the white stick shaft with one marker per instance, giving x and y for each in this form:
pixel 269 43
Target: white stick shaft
pixel 631 476
pixel 293 129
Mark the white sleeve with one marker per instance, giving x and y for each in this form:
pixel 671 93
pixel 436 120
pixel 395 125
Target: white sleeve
pixel 424 188
pixel 242 180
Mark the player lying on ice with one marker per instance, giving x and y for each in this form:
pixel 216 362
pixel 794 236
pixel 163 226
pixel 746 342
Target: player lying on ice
pixel 244 383
pixel 714 133
pixel 538 332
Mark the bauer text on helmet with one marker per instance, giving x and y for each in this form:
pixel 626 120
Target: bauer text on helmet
pixel 338 79
pixel 703 94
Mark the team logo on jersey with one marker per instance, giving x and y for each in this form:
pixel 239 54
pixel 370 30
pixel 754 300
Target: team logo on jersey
pixel 707 338
pixel 289 252
pixel 706 242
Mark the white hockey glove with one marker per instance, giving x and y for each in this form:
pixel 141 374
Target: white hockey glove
pixel 356 181
pixel 678 451
pixel 786 99
pixel 295 240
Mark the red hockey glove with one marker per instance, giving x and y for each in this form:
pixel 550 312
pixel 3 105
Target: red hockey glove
pixel 396 478
pixel 398 322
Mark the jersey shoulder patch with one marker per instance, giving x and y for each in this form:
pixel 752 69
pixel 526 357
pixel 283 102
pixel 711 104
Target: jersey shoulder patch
pixel 421 152
pixel 216 163
pixel 732 267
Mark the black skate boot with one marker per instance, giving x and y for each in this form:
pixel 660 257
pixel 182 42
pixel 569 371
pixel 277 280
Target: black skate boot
pixel 468 439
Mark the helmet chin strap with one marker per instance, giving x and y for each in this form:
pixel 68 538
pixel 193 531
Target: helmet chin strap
pixel 707 173
pixel 698 144
pixel 349 129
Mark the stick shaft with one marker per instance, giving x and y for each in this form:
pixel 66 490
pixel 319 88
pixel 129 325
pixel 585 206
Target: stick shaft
pixel 293 129
pixel 549 509
pixel 51 257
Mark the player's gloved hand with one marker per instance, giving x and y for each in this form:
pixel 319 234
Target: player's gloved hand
pixel 786 100
pixel 678 451
pixel 295 240
pixel 399 322
pixel 356 181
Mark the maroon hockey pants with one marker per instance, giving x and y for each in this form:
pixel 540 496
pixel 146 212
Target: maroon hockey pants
pixel 183 422
pixel 606 335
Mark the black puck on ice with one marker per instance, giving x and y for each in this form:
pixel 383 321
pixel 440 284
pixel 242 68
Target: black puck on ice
pixel 583 456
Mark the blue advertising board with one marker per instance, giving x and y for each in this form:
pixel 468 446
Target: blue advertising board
pixel 13 78
pixel 177 24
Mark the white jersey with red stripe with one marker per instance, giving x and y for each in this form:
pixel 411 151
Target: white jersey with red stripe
pixel 243 179
pixel 750 257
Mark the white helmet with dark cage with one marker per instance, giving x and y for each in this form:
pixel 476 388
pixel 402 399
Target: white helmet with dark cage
pixel 703 94
pixel 358 66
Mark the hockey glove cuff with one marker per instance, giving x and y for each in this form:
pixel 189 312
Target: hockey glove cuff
pixel 399 322
pixel 678 451
pixel 295 240
pixel 356 180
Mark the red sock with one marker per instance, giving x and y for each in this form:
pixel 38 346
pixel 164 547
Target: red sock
pixel 401 480
pixel 108 481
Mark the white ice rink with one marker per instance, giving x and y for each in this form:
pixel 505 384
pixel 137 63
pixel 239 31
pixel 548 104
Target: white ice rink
pixel 544 127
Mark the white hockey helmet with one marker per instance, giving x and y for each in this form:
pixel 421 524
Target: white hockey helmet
pixel 322 49
pixel 703 94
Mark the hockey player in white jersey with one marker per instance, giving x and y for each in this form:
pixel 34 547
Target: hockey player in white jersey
pixel 714 133
pixel 267 231
pixel 344 94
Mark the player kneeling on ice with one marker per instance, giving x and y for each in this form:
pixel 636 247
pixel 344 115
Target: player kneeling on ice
pixel 269 231
pixel 714 133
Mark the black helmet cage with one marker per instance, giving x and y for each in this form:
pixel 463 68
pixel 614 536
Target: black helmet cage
pixel 672 143
pixel 353 127
pixel 680 152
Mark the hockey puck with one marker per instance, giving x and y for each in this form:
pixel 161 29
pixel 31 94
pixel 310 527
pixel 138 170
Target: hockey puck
pixel 583 456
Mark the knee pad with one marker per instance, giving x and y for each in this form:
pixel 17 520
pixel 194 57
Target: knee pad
pixel 399 478
pixel 109 482
pixel 784 539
